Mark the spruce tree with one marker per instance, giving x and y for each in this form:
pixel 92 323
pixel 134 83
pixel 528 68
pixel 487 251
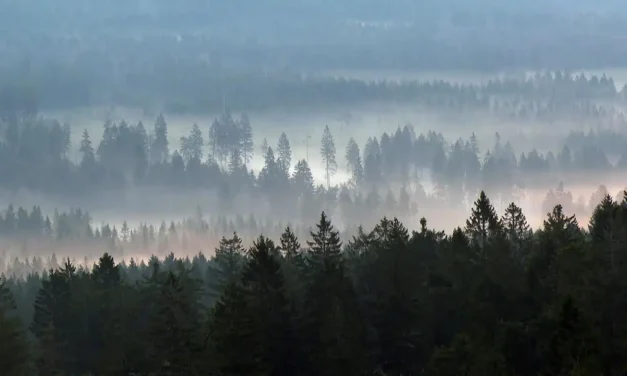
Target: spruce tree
pixel 159 148
pixel 325 246
pixel 51 322
pixel 331 321
pixel 14 351
pixel 483 223
pixel 290 245
pixel 274 338
pixel 173 327
pixel 393 298
pixel 246 138
pixel 517 230
pixel 352 154
pixel 284 152
pixel 327 152
pixel 226 264
pixel 87 151
pixel 230 350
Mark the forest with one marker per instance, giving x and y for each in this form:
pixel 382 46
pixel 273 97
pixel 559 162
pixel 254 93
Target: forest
pixel 346 187
pixel 491 298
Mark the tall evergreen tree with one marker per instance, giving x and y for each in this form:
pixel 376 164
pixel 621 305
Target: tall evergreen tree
pixel 516 229
pixel 87 151
pixel 192 146
pixel 51 323
pixel 332 323
pixel 284 151
pixel 246 132
pixel 159 147
pixel 226 265
pixel 327 152
pixel 483 223
pixel 290 245
pixel 325 245
pixel 14 347
pixel 352 154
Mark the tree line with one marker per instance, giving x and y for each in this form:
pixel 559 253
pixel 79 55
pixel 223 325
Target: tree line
pixel 391 175
pixel 188 86
pixel 493 297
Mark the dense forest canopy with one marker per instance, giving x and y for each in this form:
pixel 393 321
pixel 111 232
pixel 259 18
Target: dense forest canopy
pixel 493 298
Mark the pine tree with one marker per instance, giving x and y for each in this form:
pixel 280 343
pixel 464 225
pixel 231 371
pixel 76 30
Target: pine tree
pixel 159 148
pixel 327 152
pixel 302 178
pixel 290 245
pixel 175 341
pixel 235 162
pixel 561 228
pixel 517 230
pixel 229 332
pixel 51 322
pixel 246 133
pixel 392 300
pixel 192 146
pixel 483 222
pixel 352 154
pixel 14 351
pixel 226 264
pixel 86 150
pixel 333 328
pixel 325 246
pixel 125 231
pixel 284 151
pixel 602 218
pixel 108 311
pixel 274 339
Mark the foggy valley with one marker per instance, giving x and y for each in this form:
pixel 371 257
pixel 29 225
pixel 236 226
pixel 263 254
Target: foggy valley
pixel 313 188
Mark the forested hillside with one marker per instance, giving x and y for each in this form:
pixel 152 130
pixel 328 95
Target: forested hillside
pixel 492 298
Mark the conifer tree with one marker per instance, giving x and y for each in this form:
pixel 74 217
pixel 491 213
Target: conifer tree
pixel 332 323
pixel 159 148
pixel 517 230
pixel 87 150
pixel 284 152
pixel 302 178
pixel 173 327
pixel 352 154
pixel 192 146
pixel 226 265
pixel 264 147
pixel 325 245
pixel 290 245
pixel 327 152
pixel 246 135
pixel 483 222
pixel 14 349
pixel 229 331
pixel 393 298
pixel 602 217
pixel 274 337
pixel 51 322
